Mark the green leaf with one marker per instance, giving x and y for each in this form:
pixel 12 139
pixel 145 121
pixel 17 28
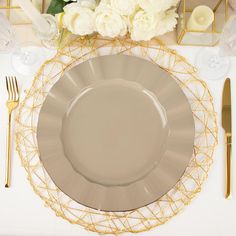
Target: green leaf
pixel 56 6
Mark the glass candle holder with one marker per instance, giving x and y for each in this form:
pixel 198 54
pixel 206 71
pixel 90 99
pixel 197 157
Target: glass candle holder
pixel 15 14
pixel 206 37
pixel 50 37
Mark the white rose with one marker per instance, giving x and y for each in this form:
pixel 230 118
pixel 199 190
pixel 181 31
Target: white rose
pixel 77 19
pixel 155 6
pixel 124 8
pixel 105 2
pixel 167 23
pixel 108 22
pixel 143 25
pixel 88 4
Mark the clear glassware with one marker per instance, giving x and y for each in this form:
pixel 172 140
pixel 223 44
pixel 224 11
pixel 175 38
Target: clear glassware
pixel 7 35
pixel 26 57
pixel 48 38
pixel 213 64
pixel 228 39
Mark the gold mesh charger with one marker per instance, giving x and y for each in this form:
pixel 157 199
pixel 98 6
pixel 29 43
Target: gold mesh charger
pixel 171 203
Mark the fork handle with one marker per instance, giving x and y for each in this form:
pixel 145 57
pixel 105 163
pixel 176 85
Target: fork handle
pixel 228 167
pixel 8 159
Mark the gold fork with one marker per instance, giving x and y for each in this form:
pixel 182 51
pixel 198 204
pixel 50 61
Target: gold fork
pixel 12 103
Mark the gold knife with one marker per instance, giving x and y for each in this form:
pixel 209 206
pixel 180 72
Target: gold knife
pixel 226 124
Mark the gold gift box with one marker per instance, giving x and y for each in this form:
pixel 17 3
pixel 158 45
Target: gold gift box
pixel 211 36
pixel 15 14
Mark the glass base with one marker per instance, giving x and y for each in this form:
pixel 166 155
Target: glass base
pixel 211 65
pixel 26 60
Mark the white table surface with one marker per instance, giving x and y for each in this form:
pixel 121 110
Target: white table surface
pixel 22 212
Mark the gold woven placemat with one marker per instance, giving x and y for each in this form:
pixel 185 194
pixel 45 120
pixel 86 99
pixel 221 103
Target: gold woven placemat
pixel 171 203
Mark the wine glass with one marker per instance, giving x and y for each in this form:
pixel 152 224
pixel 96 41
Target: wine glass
pixel 7 36
pixel 211 64
pixel 228 38
pixel 48 38
pixel 215 64
pixel 26 58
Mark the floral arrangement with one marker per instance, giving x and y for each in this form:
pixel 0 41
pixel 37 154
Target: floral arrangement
pixel 141 19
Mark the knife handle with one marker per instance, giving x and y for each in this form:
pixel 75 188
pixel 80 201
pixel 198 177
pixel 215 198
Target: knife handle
pixel 228 167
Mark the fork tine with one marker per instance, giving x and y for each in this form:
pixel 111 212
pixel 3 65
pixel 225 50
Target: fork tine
pixel 12 89
pixel 7 87
pixel 16 88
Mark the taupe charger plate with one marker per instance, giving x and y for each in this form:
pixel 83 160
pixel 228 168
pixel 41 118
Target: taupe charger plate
pixel 115 133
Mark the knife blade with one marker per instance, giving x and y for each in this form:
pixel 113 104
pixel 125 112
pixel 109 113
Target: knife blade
pixel 227 126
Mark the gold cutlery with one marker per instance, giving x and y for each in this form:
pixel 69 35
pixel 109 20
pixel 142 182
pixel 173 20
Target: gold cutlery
pixel 12 103
pixel 226 124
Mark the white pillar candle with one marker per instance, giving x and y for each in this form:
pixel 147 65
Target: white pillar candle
pixel 34 15
pixel 201 18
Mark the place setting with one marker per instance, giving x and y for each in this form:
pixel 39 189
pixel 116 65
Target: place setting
pixel 117 132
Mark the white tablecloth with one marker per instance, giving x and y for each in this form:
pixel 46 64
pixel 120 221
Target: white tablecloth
pixel 22 212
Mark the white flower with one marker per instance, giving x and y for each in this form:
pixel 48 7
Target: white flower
pixel 145 19
pixel 143 25
pixel 124 7
pixel 105 2
pixel 155 6
pixel 167 22
pixel 108 22
pixel 78 19
pixel 88 3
